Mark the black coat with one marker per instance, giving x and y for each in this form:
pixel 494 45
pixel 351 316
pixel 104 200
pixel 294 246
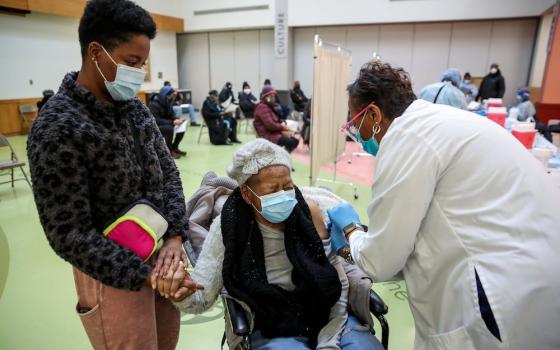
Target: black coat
pixel 298 98
pixel 162 111
pixel 225 94
pixel 217 129
pixel 492 86
pixel 247 104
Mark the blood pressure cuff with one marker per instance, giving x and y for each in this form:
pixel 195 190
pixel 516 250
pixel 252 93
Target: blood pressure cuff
pixel 139 228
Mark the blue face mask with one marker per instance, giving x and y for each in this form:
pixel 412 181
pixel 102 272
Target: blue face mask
pixel 276 207
pixel 371 146
pixel 127 83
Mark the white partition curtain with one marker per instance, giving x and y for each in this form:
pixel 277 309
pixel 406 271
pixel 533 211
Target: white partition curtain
pixel 331 75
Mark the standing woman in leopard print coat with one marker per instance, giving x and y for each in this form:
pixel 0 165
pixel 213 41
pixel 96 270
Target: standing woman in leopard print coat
pixel 85 171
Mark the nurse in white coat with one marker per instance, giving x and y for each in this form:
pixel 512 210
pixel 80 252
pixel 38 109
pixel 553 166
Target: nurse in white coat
pixel 467 215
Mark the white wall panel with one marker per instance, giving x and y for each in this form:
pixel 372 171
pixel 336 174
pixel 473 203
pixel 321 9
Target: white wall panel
pixel 430 53
pixel 303 58
pixel 511 47
pixel 222 59
pixel 163 59
pixel 363 41
pixel 194 65
pixel 266 59
pixel 333 35
pixel 470 42
pixel 541 50
pixel 424 50
pixel 395 45
pixel 246 59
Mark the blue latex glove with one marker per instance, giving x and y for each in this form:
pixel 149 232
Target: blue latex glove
pixel 338 240
pixel 343 215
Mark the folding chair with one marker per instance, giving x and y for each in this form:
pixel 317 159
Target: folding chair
pixel 243 119
pixel 12 163
pixel 202 126
pixel 24 112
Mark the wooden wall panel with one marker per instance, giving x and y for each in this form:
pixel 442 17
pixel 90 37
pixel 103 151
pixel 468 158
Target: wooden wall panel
pixel 10 120
pixel 75 9
pixel 168 23
pixel 15 4
pixel 68 8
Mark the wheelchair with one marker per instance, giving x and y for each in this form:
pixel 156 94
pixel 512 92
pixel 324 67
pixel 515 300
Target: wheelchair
pixel 199 225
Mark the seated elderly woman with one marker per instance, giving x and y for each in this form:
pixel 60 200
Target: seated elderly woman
pixel 270 250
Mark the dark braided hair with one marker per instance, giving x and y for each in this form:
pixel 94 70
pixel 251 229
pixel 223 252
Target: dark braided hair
pixel 390 88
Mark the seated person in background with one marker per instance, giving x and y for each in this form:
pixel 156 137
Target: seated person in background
pixel 269 126
pixel 179 107
pixel 221 125
pixel 527 113
pixel 247 101
pixel 271 251
pixel 281 111
pixel 161 107
pixel 227 100
pixel 298 97
pixel 306 130
pixel 46 95
pixel 468 88
pixel 446 92
pixel 166 83
pixel 526 108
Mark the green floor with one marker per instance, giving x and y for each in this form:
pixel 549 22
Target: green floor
pixel 37 295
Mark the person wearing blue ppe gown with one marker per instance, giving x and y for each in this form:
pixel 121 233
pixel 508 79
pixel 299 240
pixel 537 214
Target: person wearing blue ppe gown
pixel 526 108
pixel 468 88
pixel 462 211
pixel 446 92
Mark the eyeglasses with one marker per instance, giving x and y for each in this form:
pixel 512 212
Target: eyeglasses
pixel 349 128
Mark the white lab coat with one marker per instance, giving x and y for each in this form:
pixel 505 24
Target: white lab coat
pixel 454 192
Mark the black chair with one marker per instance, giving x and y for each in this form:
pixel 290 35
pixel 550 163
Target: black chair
pixel 241 326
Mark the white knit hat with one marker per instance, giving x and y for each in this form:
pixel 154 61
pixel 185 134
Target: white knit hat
pixel 254 156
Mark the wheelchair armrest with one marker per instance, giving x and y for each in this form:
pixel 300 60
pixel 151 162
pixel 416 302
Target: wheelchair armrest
pixel 378 308
pixel 376 305
pixel 238 318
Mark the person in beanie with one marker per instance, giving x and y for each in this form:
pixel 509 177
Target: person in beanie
pixel 275 257
pixel 269 126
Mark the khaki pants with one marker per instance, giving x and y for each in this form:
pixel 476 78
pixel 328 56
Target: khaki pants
pixel 123 319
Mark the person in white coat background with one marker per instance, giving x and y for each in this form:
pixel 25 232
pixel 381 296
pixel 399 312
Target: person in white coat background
pixel 463 211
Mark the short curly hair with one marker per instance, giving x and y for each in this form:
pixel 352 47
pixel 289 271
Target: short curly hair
pixel 390 88
pixel 113 22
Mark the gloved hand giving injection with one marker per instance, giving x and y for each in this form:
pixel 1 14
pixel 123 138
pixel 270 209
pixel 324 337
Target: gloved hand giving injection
pixel 342 218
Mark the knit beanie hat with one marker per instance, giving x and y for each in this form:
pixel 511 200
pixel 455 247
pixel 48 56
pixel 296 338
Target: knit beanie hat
pixel 254 156
pixel 267 90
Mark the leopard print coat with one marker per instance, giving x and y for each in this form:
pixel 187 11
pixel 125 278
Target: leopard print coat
pixel 85 172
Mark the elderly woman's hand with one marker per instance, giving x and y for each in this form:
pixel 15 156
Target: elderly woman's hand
pixel 186 289
pixel 177 284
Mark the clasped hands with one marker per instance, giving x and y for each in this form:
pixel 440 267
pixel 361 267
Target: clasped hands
pixel 169 274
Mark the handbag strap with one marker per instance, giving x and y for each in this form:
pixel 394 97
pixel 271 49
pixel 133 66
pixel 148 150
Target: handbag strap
pixel 138 151
pixel 439 91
